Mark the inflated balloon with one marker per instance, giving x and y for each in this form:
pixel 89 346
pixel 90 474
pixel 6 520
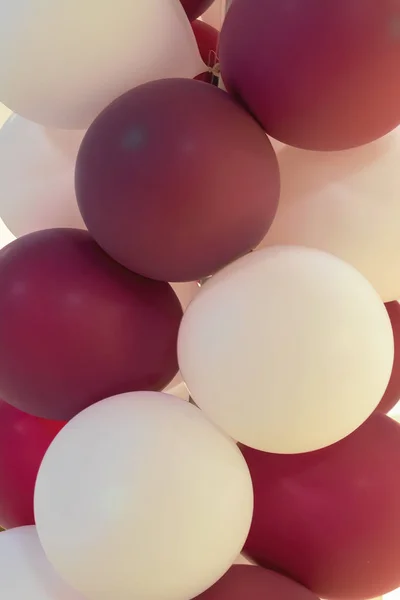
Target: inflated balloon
pixel 392 394
pixel 195 8
pixel 25 572
pixel 23 442
pixel 88 54
pixel 329 519
pixel 317 75
pixel 131 196
pixel 288 350
pixel 207 41
pixel 346 203
pixel 37 177
pixel 75 326
pixel 243 582
pixel 140 496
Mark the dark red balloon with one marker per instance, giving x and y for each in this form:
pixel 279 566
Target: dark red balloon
pixel 195 8
pixel 207 41
pixel 319 75
pixel 392 394
pixel 175 180
pixel 76 327
pixel 24 440
pixel 244 582
pixel 330 519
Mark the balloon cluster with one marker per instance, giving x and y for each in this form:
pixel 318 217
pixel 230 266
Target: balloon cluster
pixel 206 216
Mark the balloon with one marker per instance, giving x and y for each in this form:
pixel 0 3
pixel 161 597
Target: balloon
pixel 75 326
pixel 195 8
pixel 287 350
pixel 176 151
pixel 147 494
pixel 346 203
pixel 207 41
pixel 329 519
pixel 23 442
pixel 37 177
pixel 317 75
pixel 392 394
pixel 25 572
pixel 88 54
pixel 243 582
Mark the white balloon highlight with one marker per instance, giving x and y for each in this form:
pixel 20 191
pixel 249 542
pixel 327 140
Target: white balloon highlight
pixel 37 177
pixel 25 572
pixel 66 61
pixel 346 203
pixel 288 349
pixel 140 496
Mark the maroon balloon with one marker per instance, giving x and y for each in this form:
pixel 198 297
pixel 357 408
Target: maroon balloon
pixel 24 440
pixel 195 8
pixel 244 582
pixel 174 180
pixel 319 75
pixel 207 41
pixel 330 519
pixel 392 394
pixel 76 327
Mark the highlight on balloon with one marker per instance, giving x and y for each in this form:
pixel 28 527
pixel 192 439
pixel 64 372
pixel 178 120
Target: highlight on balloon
pixel 199 300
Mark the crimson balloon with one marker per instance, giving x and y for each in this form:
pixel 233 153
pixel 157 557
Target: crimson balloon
pixel 24 440
pixel 245 582
pixel 207 41
pixel 195 8
pixel 392 394
pixel 317 75
pixel 174 180
pixel 76 327
pixel 330 519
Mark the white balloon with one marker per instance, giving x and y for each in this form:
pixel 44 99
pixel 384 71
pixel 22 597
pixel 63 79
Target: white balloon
pixel 140 496
pixel 37 177
pixel 63 62
pixel 25 572
pixel 346 203
pixel 288 349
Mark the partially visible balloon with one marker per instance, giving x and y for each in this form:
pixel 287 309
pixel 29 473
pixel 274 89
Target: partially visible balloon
pixel 329 519
pixel 243 582
pixel 75 326
pixel 207 41
pixel 195 8
pixel 176 151
pixel 37 177
pixel 140 496
pixel 392 394
pixel 88 54
pixel 317 75
pixel 23 442
pixel 346 203
pixel 288 349
pixel 25 572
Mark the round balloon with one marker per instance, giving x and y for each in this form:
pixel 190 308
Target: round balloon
pixel 392 393
pixel 147 494
pixel 329 519
pixel 23 442
pixel 176 151
pixel 195 8
pixel 288 350
pixel 317 75
pixel 88 54
pixel 244 582
pixel 37 177
pixel 345 203
pixel 25 571
pixel 75 326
